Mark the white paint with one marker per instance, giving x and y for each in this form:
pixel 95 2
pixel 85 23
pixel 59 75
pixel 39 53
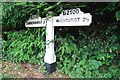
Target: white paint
pixel 50 55
pixel 63 20
pixel 71 12
pixel 73 20
pixel 71 17
pixel 37 22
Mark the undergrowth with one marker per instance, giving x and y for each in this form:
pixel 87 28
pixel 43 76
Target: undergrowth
pixel 86 57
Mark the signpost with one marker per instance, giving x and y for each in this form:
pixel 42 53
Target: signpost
pixel 71 17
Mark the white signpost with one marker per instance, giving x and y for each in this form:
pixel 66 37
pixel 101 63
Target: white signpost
pixel 71 17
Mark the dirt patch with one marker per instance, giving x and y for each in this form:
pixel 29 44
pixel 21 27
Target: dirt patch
pixel 27 71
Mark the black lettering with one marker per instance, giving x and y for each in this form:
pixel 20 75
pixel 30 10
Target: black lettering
pixel 44 22
pixel 40 22
pixel 64 12
pixel 70 11
pixel 37 22
pixel 60 20
pixel 78 19
pixel 84 19
pixel 77 11
pixel 33 22
pixel 29 23
pixel 67 20
pixel 73 11
pixel 57 20
pixel 75 19
pixel 72 20
pixel 67 12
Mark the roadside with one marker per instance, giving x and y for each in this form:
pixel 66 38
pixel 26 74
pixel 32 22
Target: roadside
pixel 13 70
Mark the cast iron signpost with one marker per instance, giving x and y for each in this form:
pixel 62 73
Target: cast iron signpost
pixel 71 17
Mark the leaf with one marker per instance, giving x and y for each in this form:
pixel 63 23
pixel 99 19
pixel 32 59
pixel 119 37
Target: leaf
pixel 47 9
pixel 107 75
pixel 58 3
pixel 41 5
pixel 63 50
pixel 94 64
pixel 82 62
pixel 117 15
pixel 84 56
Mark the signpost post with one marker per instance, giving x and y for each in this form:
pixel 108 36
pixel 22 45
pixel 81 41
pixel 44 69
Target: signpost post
pixel 71 17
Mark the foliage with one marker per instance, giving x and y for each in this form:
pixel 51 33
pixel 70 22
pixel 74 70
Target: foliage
pixel 4 76
pixel 89 58
pixel 25 46
pixel 80 56
pixel 118 15
pixel 0 12
pixel 17 13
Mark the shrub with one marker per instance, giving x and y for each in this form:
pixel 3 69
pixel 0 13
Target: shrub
pixel 86 57
pixel 25 46
pixel 89 57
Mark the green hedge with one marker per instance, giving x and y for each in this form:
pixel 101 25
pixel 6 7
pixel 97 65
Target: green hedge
pixel 17 13
pixel 92 53
pixel 79 57
pixel 89 58
pixel 25 46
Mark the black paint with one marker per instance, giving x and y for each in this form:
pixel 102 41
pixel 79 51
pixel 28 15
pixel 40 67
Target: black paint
pixel 50 67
